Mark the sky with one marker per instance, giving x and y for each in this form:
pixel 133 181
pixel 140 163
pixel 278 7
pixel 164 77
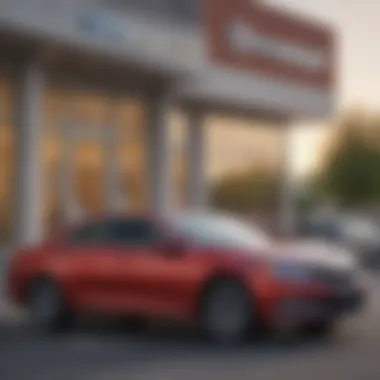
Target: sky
pixel 357 25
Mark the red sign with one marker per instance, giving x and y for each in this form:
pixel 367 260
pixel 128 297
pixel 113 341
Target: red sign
pixel 248 35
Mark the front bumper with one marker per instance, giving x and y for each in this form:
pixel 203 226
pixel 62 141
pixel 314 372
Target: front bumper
pixel 311 309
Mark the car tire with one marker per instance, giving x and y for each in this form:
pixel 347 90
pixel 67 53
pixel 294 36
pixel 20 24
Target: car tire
pixel 227 312
pixel 47 306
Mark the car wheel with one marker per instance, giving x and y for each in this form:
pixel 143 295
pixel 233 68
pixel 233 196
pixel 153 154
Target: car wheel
pixel 47 306
pixel 227 312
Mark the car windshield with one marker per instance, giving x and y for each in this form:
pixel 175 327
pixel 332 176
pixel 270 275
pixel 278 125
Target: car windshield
pixel 220 231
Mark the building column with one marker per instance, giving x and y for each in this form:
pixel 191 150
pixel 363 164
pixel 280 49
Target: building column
pixel 111 138
pixel 29 127
pixel 159 148
pixel 197 182
pixel 287 221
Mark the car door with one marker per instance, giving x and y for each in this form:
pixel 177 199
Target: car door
pixel 147 280
pixel 88 267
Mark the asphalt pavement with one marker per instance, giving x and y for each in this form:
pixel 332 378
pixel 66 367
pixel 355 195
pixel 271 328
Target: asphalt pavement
pixel 97 351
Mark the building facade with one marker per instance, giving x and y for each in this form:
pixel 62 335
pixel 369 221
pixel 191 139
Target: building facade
pixel 80 69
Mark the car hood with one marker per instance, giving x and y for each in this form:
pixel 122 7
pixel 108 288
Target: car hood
pixel 313 253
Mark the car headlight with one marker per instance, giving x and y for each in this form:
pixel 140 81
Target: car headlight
pixel 291 272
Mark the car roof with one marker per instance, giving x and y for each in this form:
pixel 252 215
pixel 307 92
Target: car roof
pixel 169 216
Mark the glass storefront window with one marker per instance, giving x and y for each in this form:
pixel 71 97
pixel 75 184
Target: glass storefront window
pixel 7 160
pixel 52 155
pixel 88 118
pixel 133 155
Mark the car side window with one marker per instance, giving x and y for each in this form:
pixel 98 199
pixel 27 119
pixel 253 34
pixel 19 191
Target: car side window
pixel 89 234
pixel 132 232
pixel 328 231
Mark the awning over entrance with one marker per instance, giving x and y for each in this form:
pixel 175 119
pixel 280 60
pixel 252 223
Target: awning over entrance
pixel 240 55
pixel 97 30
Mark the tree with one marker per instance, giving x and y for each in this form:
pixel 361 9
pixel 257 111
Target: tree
pixel 350 173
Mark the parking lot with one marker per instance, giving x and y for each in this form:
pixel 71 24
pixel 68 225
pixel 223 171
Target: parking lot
pixel 106 352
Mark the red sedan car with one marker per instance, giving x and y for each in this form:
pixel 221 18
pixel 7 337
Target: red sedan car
pixel 209 269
